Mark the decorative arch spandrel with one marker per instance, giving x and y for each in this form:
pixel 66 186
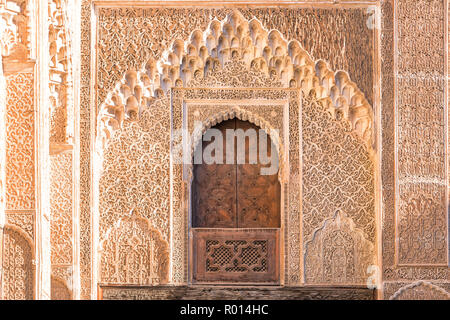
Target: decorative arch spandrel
pixel 59 289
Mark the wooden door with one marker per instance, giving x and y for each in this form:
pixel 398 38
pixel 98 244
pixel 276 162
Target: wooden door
pixel 235 195
pixel 236 215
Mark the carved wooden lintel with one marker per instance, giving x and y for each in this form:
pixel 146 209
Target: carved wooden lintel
pixel 233 293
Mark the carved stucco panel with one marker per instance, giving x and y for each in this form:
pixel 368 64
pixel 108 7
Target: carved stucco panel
pixel 421 290
pixel 17 269
pixel 421 229
pixel 136 171
pixel 134 253
pixel 422 213
pixel 338 171
pixel 61 202
pixel 338 253
pixel 20 180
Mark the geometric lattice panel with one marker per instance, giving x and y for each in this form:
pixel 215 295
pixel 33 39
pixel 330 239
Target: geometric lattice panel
pixel 236 255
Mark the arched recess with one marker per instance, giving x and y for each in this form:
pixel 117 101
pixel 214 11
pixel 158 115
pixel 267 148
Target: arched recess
pixel 231 53
pixel 17 268
pixel 59 289
pixel 134 253
pixel 339 252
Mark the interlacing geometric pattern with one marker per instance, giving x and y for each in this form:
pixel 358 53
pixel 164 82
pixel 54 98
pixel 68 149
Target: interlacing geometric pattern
pixel 236 255
pixel 20 181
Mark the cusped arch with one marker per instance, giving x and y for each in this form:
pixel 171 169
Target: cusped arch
pixel 244 115
pixel 259 49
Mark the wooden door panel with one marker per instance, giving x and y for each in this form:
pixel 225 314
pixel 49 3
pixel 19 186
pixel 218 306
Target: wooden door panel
pixel 258 195
pixel 214 190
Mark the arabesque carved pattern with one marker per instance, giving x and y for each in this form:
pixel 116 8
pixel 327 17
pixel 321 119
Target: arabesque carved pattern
pixel 413 136
pixel 338 172
pixel 134 253
pixel 421 231
pixel 23 220
pixel 17 271
pixel 61 202
pixel 136 170
pixel 20 180
pixel 422 210
pixel 15 29
pixel 338 253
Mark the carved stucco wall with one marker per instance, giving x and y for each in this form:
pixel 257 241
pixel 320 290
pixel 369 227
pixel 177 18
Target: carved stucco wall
pixel 125 160
pixel 18 207
pixel 412 111
pixel 25 126
pixel 413 169
pixel 337 176
pixel 393 275
pixel 19 187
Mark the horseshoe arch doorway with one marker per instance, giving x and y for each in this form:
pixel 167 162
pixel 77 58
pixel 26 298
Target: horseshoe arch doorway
pixel 235 206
